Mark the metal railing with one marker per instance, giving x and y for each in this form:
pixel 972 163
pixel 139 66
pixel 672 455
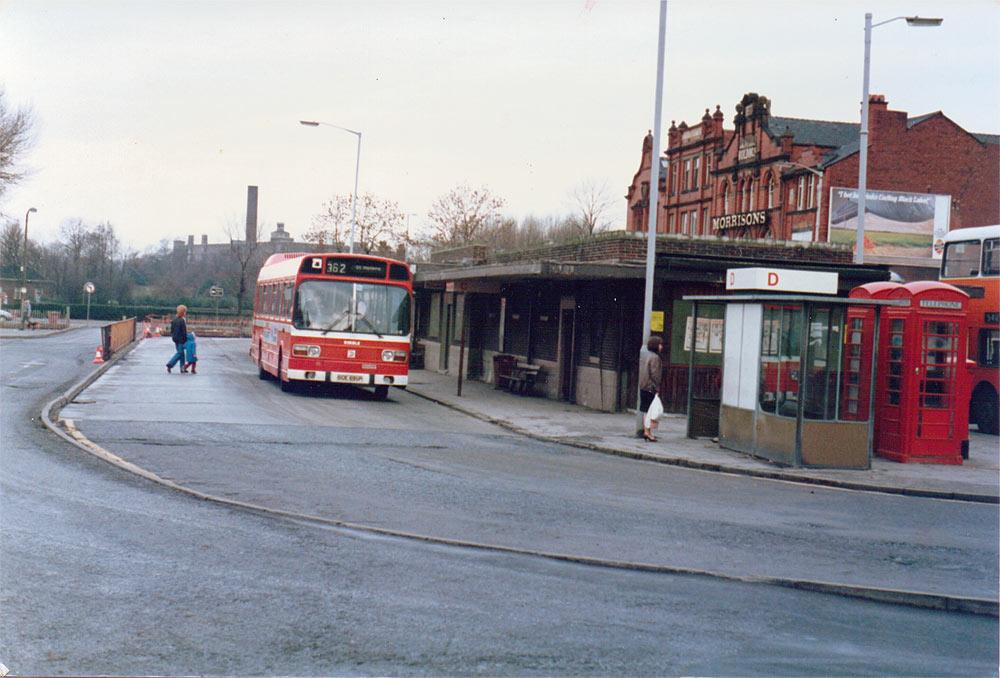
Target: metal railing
pixel 117 335
pixel 43 320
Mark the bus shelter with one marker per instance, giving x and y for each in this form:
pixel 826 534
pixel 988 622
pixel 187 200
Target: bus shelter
pixel 798 378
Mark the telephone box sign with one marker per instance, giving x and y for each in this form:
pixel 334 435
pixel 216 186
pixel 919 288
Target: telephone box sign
pixel 782 280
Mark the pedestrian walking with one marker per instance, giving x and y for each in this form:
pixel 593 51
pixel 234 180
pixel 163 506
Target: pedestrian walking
pixel 650 378
pixel 190 354
pixel 178 333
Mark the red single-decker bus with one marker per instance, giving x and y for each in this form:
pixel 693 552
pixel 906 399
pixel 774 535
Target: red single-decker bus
pixel 333 318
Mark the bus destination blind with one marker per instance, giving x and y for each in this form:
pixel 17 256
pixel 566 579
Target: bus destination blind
pixel 346 266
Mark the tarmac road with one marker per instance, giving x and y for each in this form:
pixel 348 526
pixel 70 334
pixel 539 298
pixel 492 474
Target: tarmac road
pixel 414 466
pixel 101 572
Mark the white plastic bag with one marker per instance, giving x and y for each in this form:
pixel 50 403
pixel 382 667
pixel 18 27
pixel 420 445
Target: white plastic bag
pixel 654 412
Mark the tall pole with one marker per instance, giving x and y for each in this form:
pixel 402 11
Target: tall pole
pixel 819 207
pixel 354 202
pixel 859 242
pixel 24 268
pixel 654 194
pixel 654 179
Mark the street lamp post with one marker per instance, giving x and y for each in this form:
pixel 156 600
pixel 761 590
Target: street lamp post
pixel 24 268
pixel 915 21
pixel 654 192
pixel 357 168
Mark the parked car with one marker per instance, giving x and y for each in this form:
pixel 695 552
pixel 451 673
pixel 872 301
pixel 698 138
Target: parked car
pixel 5 315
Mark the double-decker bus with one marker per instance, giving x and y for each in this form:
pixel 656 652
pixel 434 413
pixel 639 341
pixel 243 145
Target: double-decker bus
pixel 333 318
pixel 972 263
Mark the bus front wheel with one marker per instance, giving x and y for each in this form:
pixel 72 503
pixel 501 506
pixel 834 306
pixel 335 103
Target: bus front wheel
pixel 381 392
pixel 262 374
pixel 286 384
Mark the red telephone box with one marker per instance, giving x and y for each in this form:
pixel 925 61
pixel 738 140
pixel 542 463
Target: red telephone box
pixel 921 402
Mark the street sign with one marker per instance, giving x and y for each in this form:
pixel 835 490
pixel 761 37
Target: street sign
pixel 89 287
pixel 215 292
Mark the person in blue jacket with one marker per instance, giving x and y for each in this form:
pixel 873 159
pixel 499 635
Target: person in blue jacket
pixel 190 354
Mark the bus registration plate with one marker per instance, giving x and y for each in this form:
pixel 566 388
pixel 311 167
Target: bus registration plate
pixel 350 377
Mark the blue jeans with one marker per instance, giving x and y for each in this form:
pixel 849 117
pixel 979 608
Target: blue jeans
pixel 178 356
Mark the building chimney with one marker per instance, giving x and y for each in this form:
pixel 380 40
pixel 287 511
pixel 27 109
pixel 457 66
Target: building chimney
pixel 204 240
pixel 190 241
pixel 251 235
pixel 787 138
pixel 881 121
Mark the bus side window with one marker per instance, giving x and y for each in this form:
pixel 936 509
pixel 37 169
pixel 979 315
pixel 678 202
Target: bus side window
pixel 289 292
pixel 991 257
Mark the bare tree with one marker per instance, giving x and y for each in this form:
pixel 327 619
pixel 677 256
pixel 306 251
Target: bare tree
pixel 381 223
pixel 16 126
pixel 589 205
pixel 10 249
pixel 464 215
pixel 245 255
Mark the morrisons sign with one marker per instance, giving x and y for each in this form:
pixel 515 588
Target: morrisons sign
pixel 755 218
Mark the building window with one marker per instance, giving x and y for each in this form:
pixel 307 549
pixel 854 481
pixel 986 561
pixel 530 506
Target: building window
pixel 812 191
pixel 694 222
pixel 672 222
pixel 704 221
pixel 684 223
pixel 800 202
pixel 686 180
pixel 753 195
pixel 696 172
pixel 725 198
pixel 745 202
pixel 708 168
pixel 770 191
pixel 673 178
pixel 791 197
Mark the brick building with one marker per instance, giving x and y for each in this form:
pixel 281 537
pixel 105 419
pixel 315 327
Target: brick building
pixel 775 177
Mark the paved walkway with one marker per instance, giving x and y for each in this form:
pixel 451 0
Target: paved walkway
pixel 978 478
pixel 42 330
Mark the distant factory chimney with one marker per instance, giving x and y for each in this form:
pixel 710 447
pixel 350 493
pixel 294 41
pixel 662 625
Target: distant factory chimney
pixel 251 214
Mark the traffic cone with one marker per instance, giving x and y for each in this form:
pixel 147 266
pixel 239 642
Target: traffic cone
pixel 99 357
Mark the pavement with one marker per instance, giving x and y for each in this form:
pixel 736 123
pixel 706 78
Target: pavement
pixel 978 479
pixel 42 330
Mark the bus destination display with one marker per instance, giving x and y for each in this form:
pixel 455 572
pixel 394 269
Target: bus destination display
pixel 347 266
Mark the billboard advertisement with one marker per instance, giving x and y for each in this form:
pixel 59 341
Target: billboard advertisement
pixel 897 224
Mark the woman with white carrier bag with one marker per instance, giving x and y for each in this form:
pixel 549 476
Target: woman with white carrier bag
pixel 650 376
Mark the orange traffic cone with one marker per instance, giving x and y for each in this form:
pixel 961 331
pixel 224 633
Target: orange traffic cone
pixel 99 357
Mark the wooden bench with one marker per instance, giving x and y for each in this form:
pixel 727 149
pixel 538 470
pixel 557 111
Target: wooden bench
pixel 523 378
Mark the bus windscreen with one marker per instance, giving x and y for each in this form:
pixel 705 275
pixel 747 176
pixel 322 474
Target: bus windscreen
pixel 336 306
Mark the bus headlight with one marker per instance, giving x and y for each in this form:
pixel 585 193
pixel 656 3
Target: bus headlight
pixel 306 350
pixel 390 356
pixel 387 356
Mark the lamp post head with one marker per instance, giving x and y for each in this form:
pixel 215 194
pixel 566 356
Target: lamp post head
pixel 309 123
pixel 31 209
pixel 920 21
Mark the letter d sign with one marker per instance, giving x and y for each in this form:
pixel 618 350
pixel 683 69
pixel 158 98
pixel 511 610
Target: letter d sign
pixel 772 279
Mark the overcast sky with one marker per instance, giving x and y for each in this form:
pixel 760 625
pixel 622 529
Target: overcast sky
pixel 156 115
